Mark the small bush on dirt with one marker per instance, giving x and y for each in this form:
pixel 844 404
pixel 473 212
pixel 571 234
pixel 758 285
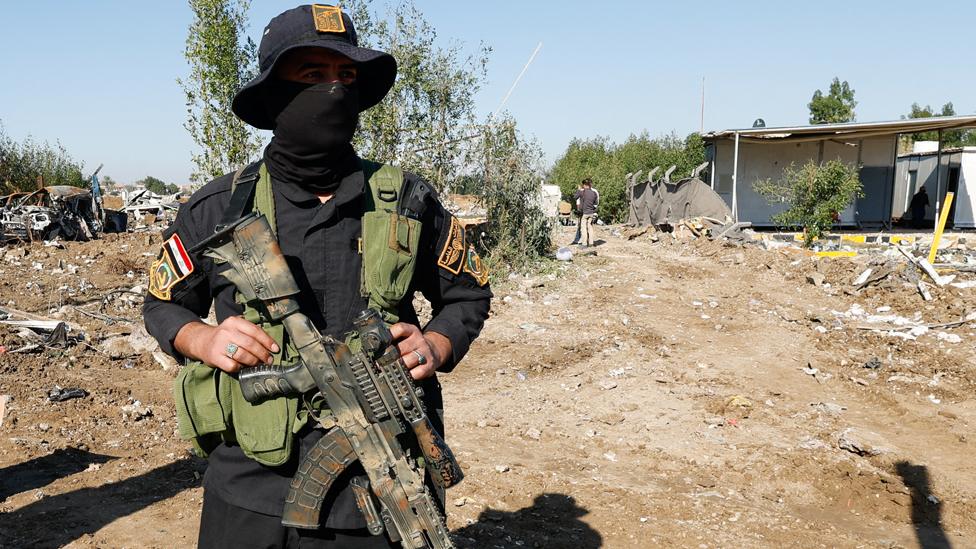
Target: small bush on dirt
pixel 815 195
pixel 519 234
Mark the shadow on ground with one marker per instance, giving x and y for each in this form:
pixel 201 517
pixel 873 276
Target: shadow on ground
pixel 44 470
pixel 926 508
pixel 551 521
pixel 57 520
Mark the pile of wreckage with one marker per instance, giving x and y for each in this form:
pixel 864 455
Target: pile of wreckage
pixel 58 211
pixel 73 213
pixel 688 206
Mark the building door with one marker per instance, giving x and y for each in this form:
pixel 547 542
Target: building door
pixel 952 186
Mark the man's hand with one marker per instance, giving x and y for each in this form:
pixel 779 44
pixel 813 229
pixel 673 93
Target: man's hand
pixel 210 344
pixel 414 344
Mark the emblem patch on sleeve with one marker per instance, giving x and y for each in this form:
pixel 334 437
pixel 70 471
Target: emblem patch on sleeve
pixel 452 254
pixel 171 266
pixel 328 18
pixel 475 267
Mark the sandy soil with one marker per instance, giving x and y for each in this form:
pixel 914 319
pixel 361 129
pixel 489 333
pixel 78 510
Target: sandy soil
pixel 652 395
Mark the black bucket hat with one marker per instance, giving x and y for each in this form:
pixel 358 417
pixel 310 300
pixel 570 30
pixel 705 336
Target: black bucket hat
pixel 318 26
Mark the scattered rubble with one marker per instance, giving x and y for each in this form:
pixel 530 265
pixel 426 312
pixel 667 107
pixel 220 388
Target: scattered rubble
pixel 58 394
pixel 862 443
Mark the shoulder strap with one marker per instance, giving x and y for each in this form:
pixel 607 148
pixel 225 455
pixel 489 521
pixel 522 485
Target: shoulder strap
pixel 242 189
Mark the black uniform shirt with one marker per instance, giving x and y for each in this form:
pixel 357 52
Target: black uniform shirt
pixel 319 242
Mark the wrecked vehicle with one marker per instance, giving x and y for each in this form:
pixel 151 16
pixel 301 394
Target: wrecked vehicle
pixel 51 212
pixel 145 202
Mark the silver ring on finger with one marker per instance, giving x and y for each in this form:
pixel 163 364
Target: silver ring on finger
pixel 421 359
pixel 230 350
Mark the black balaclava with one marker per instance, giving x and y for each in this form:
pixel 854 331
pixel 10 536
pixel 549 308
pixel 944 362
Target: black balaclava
pixel 314 125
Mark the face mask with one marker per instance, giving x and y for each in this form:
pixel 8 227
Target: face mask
pixel 312 119
pixel 312 147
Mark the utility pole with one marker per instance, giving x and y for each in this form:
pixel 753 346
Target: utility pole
pixel 702 127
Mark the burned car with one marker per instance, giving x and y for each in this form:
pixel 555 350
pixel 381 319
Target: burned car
pixel 51 212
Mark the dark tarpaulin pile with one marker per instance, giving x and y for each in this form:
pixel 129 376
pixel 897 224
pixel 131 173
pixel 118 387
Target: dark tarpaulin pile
pixel 660 202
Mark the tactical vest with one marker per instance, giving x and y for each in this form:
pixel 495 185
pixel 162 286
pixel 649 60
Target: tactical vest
pixel 210 406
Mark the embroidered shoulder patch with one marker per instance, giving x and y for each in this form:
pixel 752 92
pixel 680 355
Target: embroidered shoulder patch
pixel 328 18
pixel 475 267
pixel 171 266
pixel 452 254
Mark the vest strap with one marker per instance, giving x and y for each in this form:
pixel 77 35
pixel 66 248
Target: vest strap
pixel 242 188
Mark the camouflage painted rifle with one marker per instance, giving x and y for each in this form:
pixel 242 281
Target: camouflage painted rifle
pixel 369 394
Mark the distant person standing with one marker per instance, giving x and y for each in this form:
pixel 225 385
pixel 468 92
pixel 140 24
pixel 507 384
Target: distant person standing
pixel 587 199
pixel 919 202
pixel 579 213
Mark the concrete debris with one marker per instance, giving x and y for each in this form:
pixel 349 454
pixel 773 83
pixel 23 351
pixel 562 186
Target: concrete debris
pixel 117 347
pixel 813 444
pixel 948 338
pixel 462 501
pixel 136 411
pixel 4 401
pixel 862 443
pixel 862 278
pixel 816 279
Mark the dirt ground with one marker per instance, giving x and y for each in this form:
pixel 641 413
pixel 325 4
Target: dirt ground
pixel 655 394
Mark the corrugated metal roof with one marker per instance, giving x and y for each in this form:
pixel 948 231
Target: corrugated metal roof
pixel 849 130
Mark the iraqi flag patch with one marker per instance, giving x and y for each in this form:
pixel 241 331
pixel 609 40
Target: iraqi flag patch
pixel 171 266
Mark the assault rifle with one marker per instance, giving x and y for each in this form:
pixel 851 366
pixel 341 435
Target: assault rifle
pixel 373 402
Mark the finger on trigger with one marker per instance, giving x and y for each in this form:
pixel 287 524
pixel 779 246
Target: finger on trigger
pixel 398 330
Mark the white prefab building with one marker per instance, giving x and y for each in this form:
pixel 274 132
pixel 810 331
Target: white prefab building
pixel 951 170
pixel 741 157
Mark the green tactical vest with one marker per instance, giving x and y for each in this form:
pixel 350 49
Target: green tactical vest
pixel 210 406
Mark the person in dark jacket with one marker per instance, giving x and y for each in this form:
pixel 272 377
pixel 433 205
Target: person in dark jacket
pixel 919 202
pixel 314 82
pixel 587 199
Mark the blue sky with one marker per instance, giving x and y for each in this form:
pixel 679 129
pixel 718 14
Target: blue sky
pixel 101 75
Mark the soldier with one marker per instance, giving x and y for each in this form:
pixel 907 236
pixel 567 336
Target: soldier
pixel 317 194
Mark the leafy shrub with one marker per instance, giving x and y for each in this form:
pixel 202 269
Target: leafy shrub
pixel 815 195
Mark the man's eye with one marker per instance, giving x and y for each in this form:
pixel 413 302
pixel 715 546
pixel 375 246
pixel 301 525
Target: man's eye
pixel 347 74
pixel 313 76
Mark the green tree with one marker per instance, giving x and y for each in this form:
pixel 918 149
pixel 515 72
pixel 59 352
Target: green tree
pixel 834 107
pixel 154 185
pixel 815 195
pixel 221 61
pixel 25 165
pixel 608 164
pixel 108 183
pixel 950 138
pixel 427 120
